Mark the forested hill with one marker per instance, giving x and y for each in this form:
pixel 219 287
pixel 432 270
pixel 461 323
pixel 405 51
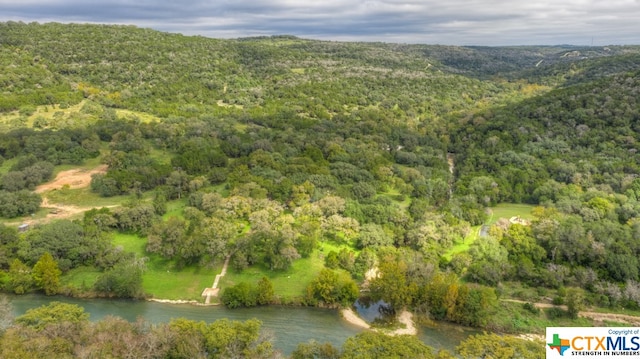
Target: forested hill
pixel 278 143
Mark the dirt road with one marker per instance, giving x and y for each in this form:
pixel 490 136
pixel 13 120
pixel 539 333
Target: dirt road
pixel 596 316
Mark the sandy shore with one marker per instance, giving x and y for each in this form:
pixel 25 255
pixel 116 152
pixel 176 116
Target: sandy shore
pixel 173 301
pixel 405 318
pixel 350 316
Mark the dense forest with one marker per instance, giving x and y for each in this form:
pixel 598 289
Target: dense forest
pixel 361 155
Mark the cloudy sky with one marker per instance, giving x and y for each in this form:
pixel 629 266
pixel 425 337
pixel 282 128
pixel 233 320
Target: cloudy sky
pixel 451 22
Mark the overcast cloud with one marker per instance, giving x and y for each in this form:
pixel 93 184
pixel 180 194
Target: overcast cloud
pixel 451 22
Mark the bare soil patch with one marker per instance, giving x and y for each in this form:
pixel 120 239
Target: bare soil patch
pixel 75 178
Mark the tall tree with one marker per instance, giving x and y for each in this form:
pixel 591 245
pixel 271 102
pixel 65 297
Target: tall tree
pixel 20 279
pixel 46 274
pixel 391 285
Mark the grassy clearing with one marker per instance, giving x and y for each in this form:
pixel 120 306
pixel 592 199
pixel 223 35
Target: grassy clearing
pixel 463 246
pixel 508 210
pixel 81 278
pixel 47 116
pixel 88 165
pixel 513 318
pixel 83 197
pixel 53 116
pixel 160 156
pixel 141 116
pixel 7 164
pixel 503 210
pixel 394 194
pixel 290 284
pixel 617 310
pixel 162 279
pixel 175 209
pixel 130 243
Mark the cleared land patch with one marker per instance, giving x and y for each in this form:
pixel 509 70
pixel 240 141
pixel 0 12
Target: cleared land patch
pixel 74 178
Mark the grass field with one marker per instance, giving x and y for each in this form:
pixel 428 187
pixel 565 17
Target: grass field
pixel 83 197
pixel 394 195
pixel 513 318
pixel 162 278
pixel 463 246
pixel 290 284
pixel 141 116
pixel 508 210
pixel 175 209
pixel 185 283
pixel 82 278
pixel 53 116
pixel 503 210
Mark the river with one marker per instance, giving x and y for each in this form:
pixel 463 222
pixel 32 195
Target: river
pixel 287 325
pixel 441 335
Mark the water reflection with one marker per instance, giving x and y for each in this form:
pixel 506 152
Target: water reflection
pixel 440 335
pixel 374 311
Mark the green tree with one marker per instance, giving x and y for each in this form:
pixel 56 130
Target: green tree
pixel 315 350
pixel 332 288
pixel 574 301
pixel 233 339
pixel 65 241
pixel 124 280
pixel 500 347
pixel 373 235
pixel 391 285
pixel 160 203
pixel 46 274
pixel 264 291
pixel 20 279
pixel 54 312
pixel 377 345
pixel 239 295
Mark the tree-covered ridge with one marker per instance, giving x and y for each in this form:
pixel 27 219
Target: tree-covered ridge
pixel 583 134
pixel 173 74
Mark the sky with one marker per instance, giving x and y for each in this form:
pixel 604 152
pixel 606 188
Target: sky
pixel 447 22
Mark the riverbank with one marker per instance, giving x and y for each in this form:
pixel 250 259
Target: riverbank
pixel 352 318
pixel 178 301
pixel 405 318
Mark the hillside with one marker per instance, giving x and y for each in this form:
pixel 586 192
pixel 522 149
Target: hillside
pixel 320 160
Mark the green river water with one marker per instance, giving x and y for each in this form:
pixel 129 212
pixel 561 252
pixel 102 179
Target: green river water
pixel 288 325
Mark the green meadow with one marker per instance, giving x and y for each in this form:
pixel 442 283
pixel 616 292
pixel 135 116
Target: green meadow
pixel 502 210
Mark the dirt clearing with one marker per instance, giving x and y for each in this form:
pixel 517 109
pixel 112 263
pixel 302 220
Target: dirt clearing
pixel 75 178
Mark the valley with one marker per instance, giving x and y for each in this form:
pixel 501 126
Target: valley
pixel 478 183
